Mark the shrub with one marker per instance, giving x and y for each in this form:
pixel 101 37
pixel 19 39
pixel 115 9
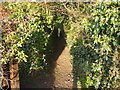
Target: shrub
pixel 26 35
pixel 96 52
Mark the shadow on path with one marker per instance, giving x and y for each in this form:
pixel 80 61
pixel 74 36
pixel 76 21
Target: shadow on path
pixel 40 80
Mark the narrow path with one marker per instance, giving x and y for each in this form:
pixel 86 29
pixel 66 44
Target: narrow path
pixel 59 77
pixel 63 70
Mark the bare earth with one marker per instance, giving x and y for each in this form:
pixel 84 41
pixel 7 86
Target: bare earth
pixel 60 77
pixel 63 70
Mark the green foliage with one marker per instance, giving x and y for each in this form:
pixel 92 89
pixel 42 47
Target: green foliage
pixel 94 39
pixel 75 21
pixel 27 42
pixel 96 52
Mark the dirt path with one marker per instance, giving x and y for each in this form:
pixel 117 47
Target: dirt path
pixel 63 70
pixel 60 77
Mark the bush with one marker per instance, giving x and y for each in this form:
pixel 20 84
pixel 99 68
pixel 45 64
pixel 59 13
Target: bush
pixel 27 42
pixel 27 33
pixel 96 52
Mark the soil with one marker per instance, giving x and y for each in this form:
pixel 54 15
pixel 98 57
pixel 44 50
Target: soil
pixel 63 71
pixel 60 75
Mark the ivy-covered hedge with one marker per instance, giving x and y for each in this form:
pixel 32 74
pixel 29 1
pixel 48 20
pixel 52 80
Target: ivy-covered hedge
pixel 27 42
pixel 29 26
pixel 27 30
pixel 96 53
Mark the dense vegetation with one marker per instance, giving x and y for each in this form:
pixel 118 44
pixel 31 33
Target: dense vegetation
pixel 27 32
pixel 92 31
pixel 27 42
pixel 96 58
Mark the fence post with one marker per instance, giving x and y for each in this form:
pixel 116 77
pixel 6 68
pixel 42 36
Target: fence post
pixel 14 75
pixel 1 75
